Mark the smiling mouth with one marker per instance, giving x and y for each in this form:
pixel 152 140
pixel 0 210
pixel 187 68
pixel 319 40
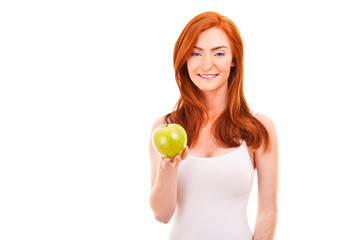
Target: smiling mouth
pixel 208 76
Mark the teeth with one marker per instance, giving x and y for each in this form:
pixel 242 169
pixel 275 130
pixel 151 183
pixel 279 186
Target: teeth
pixel 207 75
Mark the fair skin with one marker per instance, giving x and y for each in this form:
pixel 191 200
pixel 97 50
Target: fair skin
pixel 209 67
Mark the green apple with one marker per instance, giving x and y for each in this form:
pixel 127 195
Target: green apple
pixel 169 140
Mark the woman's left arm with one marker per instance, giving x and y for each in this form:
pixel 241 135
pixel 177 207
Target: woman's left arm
pixel 267 170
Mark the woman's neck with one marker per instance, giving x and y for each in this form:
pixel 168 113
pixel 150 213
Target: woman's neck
pixel 216 103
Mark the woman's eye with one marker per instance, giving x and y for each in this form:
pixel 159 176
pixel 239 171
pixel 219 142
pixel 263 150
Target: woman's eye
pixel 219 54
pixel 195 54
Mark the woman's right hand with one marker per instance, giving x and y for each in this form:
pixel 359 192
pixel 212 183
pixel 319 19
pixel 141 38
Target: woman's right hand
pixel 174 162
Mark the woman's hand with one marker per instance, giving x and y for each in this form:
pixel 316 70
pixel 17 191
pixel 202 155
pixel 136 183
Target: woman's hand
pixel 174 162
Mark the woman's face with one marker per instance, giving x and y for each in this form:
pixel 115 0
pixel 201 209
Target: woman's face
pixel 211 60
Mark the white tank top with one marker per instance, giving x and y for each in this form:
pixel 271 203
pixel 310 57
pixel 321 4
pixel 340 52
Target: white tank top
pixel 212 197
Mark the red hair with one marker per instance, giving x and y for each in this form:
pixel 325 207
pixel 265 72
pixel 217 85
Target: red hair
pixel 236 123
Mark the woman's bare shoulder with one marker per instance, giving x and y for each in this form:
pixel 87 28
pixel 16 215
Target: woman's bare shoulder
pixel 159 122
pixel 265 120
pixel 272 132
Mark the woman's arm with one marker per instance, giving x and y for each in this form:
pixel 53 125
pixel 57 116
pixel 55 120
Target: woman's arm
pixel 267 171
pixel 164 172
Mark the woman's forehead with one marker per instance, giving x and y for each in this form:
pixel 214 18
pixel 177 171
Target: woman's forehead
pixel 212 38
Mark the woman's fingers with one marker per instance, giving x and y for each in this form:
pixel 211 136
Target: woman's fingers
pixel 185 153
pixel 174 162
pixel 165 162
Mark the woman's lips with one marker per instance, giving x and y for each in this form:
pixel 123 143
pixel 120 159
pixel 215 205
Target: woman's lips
pixel 208 76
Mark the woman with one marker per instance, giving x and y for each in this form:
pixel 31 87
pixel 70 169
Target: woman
pixel 207 187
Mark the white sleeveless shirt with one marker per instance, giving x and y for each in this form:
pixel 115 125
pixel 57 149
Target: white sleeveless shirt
pixel 212 197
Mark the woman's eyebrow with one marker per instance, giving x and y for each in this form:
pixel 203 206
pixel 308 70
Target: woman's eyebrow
pixel 213 49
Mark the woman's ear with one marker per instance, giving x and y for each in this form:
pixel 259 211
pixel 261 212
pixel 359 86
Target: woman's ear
pixel 233 63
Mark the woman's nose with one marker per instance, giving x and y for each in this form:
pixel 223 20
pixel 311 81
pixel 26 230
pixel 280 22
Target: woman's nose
pixel 207 63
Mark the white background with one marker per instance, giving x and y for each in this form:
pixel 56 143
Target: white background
pixel 81 83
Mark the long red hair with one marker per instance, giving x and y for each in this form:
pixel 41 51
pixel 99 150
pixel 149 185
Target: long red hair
pixel 236 123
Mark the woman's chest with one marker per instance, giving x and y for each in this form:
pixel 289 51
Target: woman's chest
pixel 230 174
pixel 207 147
